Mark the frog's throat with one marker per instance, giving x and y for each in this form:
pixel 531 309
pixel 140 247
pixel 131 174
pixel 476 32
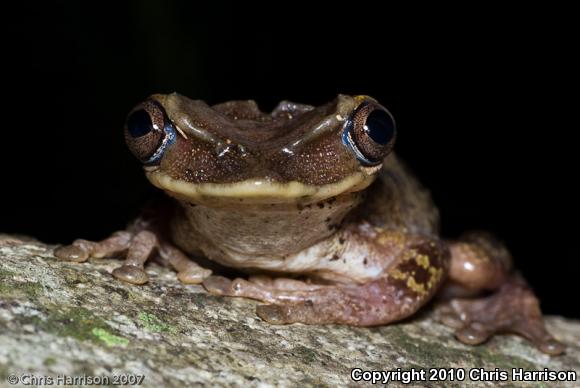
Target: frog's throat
pixel 259 190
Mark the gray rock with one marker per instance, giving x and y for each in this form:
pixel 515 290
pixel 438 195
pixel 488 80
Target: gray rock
pixel 59 318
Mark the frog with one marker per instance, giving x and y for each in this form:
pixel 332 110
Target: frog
pixel 308 210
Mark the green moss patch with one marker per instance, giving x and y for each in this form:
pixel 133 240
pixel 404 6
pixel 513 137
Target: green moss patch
pixel 108 338
pixel 81 324
pixel 153 324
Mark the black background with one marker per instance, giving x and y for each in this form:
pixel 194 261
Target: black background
pixel 483 99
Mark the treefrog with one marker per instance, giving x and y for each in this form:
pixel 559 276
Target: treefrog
pixel 315 212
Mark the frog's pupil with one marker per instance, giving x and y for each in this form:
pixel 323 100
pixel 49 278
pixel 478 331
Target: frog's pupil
pixel 380 127
pixel 139 123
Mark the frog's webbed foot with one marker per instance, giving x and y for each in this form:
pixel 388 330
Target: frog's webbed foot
pixel 406 286
pixel 291 300
pixel 513 308
pixel 478 263
pixel 139 246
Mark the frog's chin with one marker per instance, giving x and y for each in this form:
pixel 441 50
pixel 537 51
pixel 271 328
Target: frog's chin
pixel 259 190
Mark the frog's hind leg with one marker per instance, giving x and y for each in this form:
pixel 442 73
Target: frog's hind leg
pixel 287 284
pixel 480 263
pixel 265 289
pixel 403 288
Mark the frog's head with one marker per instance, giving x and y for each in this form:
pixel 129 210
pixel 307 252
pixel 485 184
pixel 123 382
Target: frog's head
pixel 233 151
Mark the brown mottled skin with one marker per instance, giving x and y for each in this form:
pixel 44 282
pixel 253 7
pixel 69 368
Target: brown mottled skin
pixel 313 206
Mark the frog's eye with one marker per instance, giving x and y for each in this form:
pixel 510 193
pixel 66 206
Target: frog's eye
pixel 148 132
pixel 370 133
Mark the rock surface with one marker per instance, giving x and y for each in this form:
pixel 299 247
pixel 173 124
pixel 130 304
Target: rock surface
pixel 60 318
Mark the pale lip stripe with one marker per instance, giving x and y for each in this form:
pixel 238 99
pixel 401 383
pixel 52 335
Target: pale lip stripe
pixel 260 190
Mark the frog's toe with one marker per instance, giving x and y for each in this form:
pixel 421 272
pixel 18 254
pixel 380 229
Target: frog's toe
pixel 188 271
pixel 303 312
pixel 80 250
pixel 72 253
pixel 552 347
pixel 218 285
pixel 131 274
pixel 274 313
pixel 473 334
pixel 448 317
pixel 307 311
pixel 476 334
pixel 193 276
pixel 512 309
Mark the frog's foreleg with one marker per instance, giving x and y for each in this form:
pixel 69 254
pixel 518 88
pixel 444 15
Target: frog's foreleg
pixel 140 248
pixel 188 271
pixel 404 287
pixel 478 263
pixel 80 250
pixel 137 245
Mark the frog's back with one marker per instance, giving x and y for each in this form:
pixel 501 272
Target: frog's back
pixel 398 200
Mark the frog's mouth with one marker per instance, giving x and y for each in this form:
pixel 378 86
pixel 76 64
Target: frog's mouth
pixel 260 190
